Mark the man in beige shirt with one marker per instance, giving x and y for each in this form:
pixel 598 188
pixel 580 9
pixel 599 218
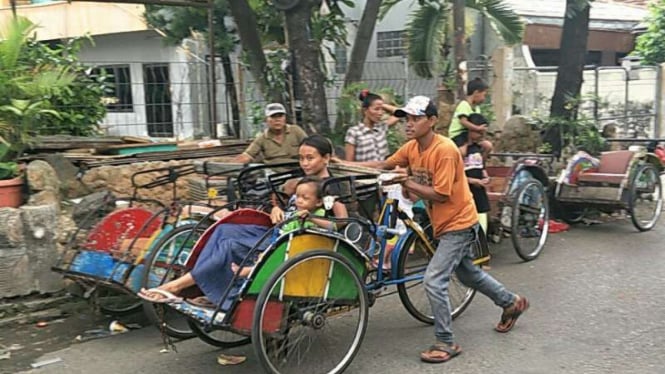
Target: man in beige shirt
pixel 278 143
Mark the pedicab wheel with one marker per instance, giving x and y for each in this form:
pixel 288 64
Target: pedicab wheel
pixel 412 262
pixel 311 315
pixel 530 221
pixel 645 198
pixel 572 215
pixel 116 303
pixel 157 270
pixel 217 337
pixel 414 256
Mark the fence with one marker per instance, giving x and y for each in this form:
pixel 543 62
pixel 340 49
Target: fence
pixel 172 99
pixel 624 97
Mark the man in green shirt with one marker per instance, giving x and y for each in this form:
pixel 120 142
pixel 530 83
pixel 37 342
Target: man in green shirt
pixel 278 143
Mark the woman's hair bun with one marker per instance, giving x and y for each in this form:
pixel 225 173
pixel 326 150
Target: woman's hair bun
pixel 363 94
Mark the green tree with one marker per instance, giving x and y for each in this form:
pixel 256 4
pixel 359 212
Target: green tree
pixel 650 45
pixel 429 30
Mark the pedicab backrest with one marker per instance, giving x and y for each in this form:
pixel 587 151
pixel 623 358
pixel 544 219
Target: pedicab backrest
pixel 615 162
pixel 252 183
pixel 121 225
pixel 240 216
pixel 613 168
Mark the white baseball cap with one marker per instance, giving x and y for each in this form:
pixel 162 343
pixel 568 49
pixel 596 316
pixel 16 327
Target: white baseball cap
pixel 417 106
pixel 275 108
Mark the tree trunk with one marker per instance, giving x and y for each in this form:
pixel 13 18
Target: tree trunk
pixel 311 78
pixel 245 21
pixel 460 45
pixel 233 95
pixel 572 54
pixel 362 41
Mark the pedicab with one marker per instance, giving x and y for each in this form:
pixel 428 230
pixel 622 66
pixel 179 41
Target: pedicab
pixel 107 252
pixel 518 203
pixel 304 305
pixel 620 181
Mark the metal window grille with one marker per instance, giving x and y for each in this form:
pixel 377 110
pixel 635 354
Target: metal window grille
pixel 391 43
pixel 119 97
pixel 341 59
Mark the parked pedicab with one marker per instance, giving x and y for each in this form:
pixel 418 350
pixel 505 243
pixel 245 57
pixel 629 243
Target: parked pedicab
pixel 108 252
pixel 304 306
pixel 625 180
pixel 519 204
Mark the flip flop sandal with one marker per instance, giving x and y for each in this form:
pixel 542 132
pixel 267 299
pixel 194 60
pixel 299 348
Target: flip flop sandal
pixel 451 350
pixel 201 301
pixel 169 298
pixel 223 359
pixel 508 319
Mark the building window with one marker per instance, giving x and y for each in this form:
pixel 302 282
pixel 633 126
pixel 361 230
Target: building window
pixel 340 59
pixel 391 43
pixel 118 97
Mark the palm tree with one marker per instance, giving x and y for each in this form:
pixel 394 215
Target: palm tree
pixel 428 30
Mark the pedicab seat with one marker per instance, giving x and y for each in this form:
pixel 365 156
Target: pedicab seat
pixel 612 169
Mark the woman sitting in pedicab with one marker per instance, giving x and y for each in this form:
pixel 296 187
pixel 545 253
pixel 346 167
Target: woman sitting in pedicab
pixel 230 243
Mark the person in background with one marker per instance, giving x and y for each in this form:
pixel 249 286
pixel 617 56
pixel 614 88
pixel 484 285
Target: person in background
pixel 368 140
pixel 459 127
pixel 474 167
pixel 437 176
pixel 278 143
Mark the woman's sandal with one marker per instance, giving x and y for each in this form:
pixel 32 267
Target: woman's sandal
pixel 440 352
pixel 158 296
pixel 202 302
pixel 511 314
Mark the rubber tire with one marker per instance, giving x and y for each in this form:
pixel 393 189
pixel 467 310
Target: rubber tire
pixel 401 289
pixel 148 307
pixel 202 334
pixel 633 190
pixel 265 294
pixel 515 220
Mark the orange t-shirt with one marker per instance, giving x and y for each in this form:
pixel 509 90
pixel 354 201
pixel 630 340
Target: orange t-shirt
pixel 441 167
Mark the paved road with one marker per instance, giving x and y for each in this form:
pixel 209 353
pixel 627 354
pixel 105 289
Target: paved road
pixel 597 307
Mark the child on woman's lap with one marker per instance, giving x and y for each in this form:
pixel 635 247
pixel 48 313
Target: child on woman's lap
pixel 308 206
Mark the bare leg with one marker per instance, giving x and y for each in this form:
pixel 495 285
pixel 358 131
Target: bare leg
pixel 242 272
pixel 487 147
pixel 175 286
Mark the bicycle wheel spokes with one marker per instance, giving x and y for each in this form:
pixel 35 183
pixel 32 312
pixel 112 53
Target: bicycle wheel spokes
pixel 164 263
pixel 646 199
pixel 322 320
pixel 530 220
pixel 412 263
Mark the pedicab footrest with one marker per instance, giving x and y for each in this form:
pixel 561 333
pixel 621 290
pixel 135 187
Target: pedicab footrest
pixel 99 265
pixel 201 314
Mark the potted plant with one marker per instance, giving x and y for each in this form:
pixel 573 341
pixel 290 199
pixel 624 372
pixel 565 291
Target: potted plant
pixel 10 180
pixel 24 92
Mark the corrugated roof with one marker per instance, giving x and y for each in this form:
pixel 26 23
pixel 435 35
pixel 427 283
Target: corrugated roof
pixel 599 10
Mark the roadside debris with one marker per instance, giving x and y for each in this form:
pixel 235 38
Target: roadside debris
pixel 39 364
pixel 92 334
pixel 117 328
